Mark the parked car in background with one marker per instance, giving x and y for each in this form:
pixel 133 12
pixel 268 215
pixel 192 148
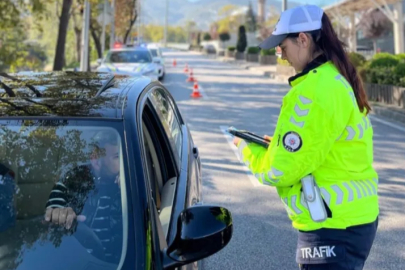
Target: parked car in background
pixel 73 141
pixel 133 61
pixel 158 59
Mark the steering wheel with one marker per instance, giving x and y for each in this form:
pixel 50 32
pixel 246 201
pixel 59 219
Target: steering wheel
pixel 89 240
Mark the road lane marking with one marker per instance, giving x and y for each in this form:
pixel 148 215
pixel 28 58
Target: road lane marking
pixel 229 139
pixel 377 119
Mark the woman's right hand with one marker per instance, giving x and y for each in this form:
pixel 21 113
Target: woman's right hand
pixel 268 138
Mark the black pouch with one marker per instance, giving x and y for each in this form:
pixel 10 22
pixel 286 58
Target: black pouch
pixel 320 253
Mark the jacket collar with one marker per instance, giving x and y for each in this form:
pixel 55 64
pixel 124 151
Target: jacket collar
pixel 321 59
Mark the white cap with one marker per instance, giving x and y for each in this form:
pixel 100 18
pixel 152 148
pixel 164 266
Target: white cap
pixel 300 19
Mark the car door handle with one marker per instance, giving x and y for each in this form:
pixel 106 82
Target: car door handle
pixel 195 152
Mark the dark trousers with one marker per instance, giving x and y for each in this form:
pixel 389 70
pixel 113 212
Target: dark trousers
pixel 333 249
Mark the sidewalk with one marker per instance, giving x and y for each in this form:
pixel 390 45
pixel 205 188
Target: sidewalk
pixel 266 70
pixel 390 112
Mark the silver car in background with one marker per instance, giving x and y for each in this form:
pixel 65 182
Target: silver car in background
pixel 133 61
pixel 158 59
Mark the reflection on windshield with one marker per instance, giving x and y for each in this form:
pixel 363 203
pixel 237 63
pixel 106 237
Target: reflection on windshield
pixel 129 57
pixel 60 196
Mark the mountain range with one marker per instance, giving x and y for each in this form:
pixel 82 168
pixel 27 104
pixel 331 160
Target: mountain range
pixel 202 12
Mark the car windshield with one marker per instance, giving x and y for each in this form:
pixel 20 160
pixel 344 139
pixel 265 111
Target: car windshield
pixel 154 52
pixel 129 57
pixel 71 173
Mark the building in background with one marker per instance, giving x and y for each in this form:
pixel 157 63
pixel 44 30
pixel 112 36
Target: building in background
pixel 384 43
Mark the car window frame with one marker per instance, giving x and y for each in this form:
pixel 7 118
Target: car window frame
pixel 159 243
pixel 178 119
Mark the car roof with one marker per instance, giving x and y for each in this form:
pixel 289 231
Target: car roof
pixel 152 46
pixel 66 94
pixel 129 49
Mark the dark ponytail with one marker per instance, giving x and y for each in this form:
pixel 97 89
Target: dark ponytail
pixel 329 43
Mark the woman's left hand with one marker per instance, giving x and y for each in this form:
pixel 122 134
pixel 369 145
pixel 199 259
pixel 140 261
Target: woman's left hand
pixel 236 140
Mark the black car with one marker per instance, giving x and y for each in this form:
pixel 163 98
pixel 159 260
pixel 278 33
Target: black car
pixel 100 172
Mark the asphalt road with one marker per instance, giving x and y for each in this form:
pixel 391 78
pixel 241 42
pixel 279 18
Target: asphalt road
pixel 263 237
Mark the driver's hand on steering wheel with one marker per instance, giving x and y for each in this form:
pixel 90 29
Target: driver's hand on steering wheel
pixel 62 216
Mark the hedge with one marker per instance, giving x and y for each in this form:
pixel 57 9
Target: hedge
pixel 268 52
pixel 253 50
pixel 384 68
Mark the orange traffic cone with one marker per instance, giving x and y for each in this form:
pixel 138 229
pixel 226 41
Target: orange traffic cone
pixel 190 76
pixel 196 93
pixel 174 62
pixel 186 68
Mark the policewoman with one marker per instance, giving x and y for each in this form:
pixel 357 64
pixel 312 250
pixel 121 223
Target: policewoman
pixel 320 157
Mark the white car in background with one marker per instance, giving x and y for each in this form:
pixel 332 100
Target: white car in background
pixel 158 59
pixel 133 61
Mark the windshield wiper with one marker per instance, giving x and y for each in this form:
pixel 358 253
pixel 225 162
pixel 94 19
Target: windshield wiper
pixel 108 84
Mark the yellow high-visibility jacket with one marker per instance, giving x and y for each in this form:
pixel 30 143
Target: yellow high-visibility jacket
pixel 320 131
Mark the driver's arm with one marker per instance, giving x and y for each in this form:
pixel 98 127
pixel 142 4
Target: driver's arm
pixel 60 207
pixel 57 210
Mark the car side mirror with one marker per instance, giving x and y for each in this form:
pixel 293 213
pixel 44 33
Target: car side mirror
pixel 201 232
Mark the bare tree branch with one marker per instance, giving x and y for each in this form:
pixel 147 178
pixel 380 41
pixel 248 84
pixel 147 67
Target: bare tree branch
pixel 8 90
pixel 32 88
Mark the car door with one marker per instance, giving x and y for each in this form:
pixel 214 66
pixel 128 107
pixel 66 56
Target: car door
pixel 171 163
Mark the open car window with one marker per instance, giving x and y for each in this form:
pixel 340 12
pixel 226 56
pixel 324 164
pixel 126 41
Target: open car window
pixel 169 120
pixel 161 168
pixel 60 165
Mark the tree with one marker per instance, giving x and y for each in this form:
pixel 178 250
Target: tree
pixel 126 11
pixel 96 29
pixel 198 38
pixel 207 36
pixel 15 53
pixel 251 19
pixel 242 42
pixel 230 18
pixel 77 13
pixel 374 24
pixel 63 27
pixel 224 36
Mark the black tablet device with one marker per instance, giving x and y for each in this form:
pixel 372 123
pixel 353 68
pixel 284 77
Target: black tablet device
pixel 248 136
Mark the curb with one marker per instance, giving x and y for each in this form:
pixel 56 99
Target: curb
pixel 393 114
pixel 267 74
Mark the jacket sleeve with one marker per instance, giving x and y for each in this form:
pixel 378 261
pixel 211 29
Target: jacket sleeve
pixel 59 196
pixel 305 133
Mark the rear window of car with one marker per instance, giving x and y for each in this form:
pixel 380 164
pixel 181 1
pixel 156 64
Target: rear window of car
pixel 154 52
pixel 57 169
pixel 129 57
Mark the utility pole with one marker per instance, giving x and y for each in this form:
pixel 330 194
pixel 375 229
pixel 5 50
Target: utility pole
pixel 112 35
pixel 284 7
pixel 140 18
pixel 138 25
pixel 85 38
pixel 166 22
pixel 104 23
